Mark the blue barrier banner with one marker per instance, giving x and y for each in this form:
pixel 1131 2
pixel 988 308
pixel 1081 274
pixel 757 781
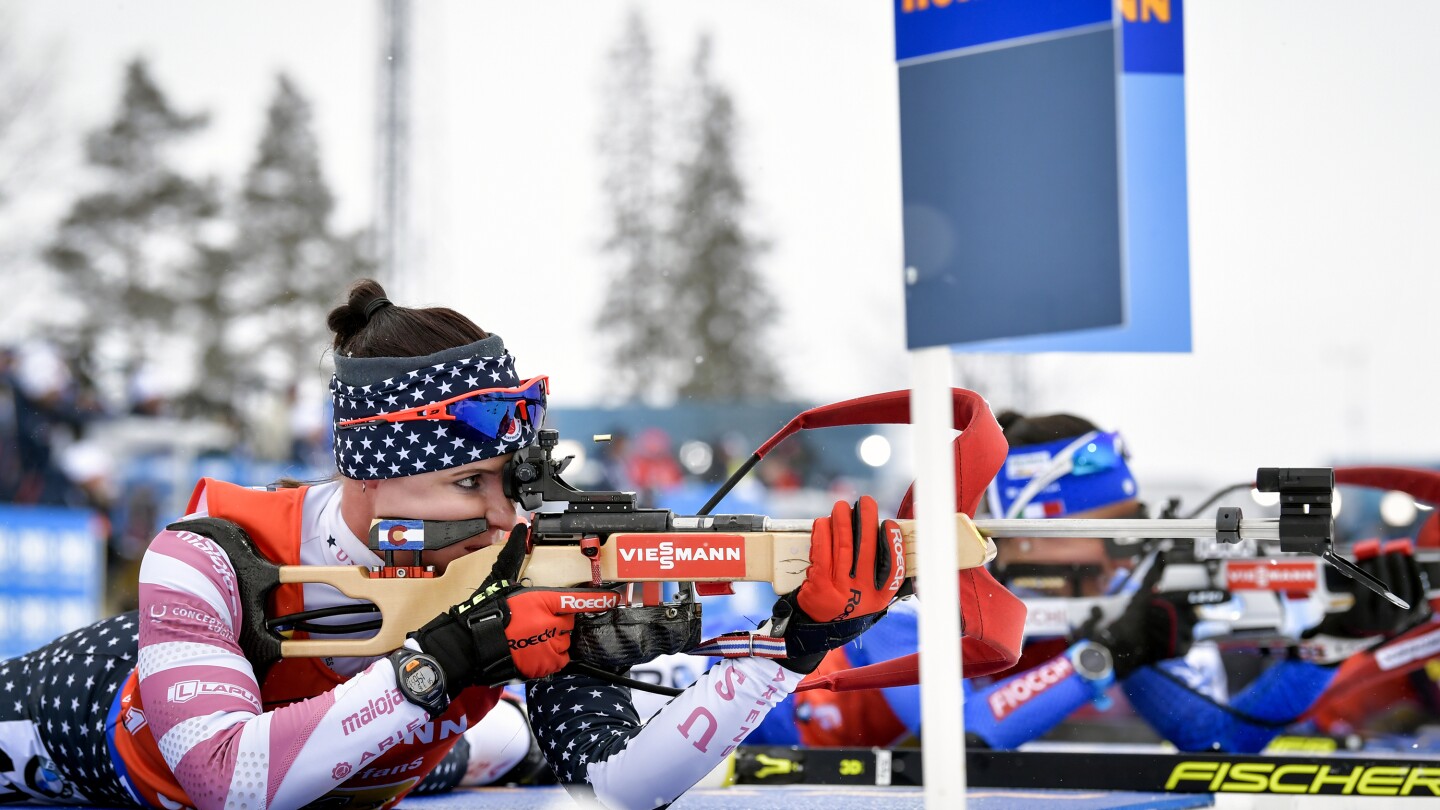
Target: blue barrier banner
pixel 1154 36
pixel 54 566
pixel 928 27
pixel 1045 190
pixel 1010 176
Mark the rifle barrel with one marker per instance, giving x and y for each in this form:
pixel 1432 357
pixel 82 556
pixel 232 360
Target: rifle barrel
pixel 1120 529
pixel 1137 529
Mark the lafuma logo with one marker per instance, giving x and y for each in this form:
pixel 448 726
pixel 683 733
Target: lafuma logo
pixel 186 691
pixel 603 601
pixel 1271 575
pixel 680 555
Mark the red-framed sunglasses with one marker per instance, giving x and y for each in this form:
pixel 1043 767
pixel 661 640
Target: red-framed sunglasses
pixel 494 413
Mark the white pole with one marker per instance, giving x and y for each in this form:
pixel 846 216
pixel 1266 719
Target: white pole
pixel 941 698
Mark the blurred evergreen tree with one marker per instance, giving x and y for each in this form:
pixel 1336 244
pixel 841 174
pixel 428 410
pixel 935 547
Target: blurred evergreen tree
pixel 25 136
pixel 717 298
pixel 27 149
pixel 129 254
pixel 634 319
pixel 291 267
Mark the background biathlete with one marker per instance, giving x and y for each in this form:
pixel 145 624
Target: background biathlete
pixel 1063 466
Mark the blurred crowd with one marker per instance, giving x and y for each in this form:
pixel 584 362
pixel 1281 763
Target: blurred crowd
pixel 681 474
pixel 132 462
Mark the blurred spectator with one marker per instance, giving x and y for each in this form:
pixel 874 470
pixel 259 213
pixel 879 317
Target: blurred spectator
pixel 652 467
pixel 310 424
pixel 9 430
pixel 612 458
pixel 44 415
pixel 779 469
pixel 150 394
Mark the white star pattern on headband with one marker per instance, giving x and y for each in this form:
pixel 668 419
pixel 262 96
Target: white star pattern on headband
pixel 414 445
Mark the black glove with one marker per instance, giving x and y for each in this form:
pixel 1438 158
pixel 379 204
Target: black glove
pixel 1154 627
pixel 1372 615
pixel 505 631
pixel 857 567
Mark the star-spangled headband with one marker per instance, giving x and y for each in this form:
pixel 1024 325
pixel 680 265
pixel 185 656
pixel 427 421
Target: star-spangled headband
pixel 1062 477
pixel 365 387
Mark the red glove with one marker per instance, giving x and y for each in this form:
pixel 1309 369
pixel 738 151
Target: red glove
pixel 505 631
pixel 857 563
pixel 541 621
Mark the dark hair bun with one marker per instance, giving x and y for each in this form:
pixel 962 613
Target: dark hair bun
pixel 349 318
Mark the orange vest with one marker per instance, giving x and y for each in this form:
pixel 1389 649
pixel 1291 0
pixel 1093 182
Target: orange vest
pixel 272 519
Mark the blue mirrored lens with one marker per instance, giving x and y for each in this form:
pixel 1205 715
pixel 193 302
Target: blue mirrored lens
pixel 1095 456
pixel 503 416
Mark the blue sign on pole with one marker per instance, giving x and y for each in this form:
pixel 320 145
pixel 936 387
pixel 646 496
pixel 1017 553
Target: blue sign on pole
pixel 54 563
pixel 1044 189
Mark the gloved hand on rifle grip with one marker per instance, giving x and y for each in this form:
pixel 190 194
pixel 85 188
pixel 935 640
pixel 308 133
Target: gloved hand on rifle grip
pixel 1372 615
pixel 1154 627
pixel 857 566
pixel 505 631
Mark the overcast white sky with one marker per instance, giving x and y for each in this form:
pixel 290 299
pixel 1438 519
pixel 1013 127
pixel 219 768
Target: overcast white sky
pixel 1314 187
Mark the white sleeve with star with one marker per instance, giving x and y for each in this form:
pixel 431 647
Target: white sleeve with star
pixel 596 743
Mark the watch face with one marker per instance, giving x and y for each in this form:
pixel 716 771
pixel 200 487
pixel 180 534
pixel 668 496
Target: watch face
pixel 1091 661
pixel 420 676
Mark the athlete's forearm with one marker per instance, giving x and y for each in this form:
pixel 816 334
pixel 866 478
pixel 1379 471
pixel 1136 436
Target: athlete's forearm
pixel 592 736
pixel 1025 706
pixel 1194 722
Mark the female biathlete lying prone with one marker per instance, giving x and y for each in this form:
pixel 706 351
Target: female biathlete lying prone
pixel 165 708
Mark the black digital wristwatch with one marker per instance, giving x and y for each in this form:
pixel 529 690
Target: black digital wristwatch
pixel 421 680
